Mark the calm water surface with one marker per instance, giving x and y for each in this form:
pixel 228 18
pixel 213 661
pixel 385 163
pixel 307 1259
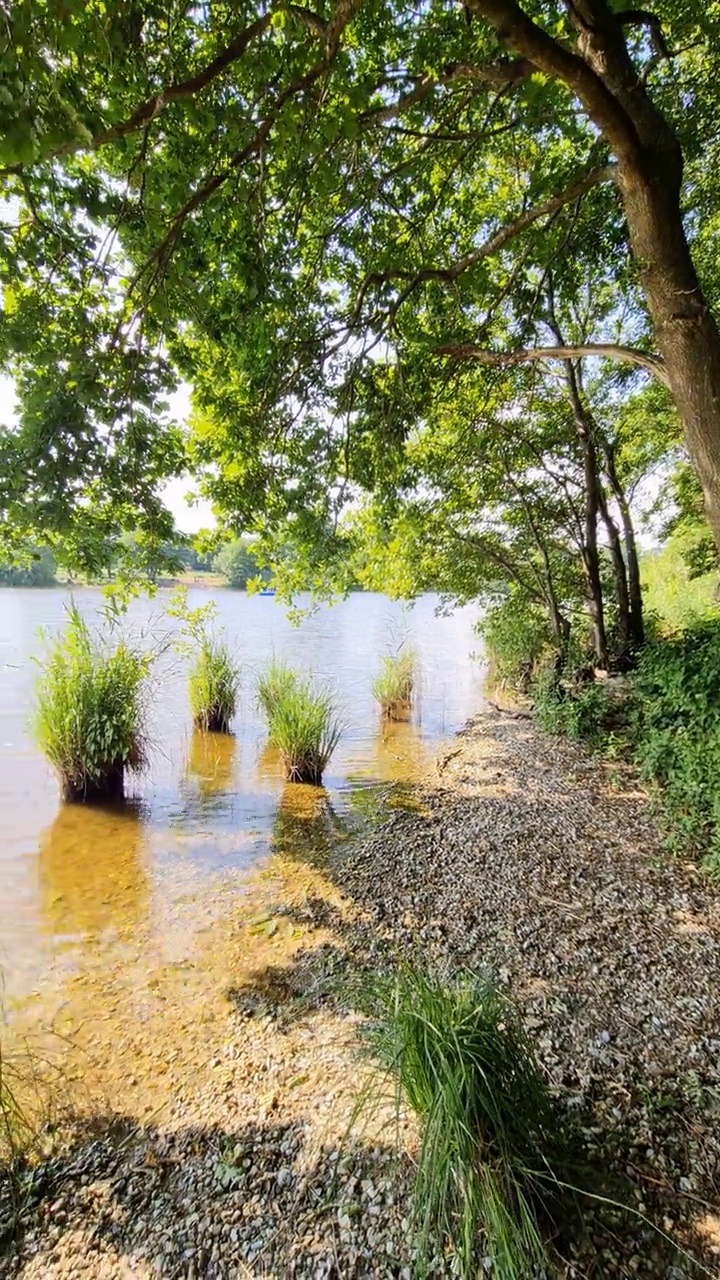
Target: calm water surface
pixel 84 890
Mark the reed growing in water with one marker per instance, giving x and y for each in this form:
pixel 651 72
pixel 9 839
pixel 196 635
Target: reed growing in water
pixel 302 723
pixel 214 680
pixel 393 686
pixel 90 713
pixel 485 1182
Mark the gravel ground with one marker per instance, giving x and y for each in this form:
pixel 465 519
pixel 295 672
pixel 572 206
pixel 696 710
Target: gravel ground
pixel 520 858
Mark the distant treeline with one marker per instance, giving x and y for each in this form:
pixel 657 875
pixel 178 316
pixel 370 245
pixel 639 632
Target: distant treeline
pixel 38 570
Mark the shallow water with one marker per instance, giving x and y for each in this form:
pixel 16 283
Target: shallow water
pixel 91 899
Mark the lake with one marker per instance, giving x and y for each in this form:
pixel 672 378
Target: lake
pixel 90 894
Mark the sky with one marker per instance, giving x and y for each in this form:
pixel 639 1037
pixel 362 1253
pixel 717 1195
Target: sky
pixel 189 518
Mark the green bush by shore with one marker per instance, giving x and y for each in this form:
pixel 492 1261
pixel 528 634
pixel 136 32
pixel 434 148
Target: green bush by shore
pixel 393 686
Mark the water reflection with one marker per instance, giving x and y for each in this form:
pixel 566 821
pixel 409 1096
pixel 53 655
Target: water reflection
pixel 211 762
pixel 307 827
pixel 92 873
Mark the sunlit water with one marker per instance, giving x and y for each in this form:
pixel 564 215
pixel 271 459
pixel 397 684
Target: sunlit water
pixel 84 890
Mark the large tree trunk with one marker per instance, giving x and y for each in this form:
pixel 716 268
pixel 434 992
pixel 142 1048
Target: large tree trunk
pixel 686 333
pixel 601 74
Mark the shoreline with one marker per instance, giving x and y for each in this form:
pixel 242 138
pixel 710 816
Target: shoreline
pixel 517 857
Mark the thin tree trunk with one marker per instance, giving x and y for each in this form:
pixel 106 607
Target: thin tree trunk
pixel 637 623
pixel 620 573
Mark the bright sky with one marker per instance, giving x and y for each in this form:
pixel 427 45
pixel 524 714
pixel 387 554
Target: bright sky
pixel 188 517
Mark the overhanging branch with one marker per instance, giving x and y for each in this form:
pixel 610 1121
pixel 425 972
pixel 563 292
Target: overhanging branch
pixel 604 350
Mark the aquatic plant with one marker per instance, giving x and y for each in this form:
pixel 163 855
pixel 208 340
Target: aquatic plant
pixel 393 686
pixel 485 1181
pixel 213 682
pixel 276 681
pixel 302 723
pixel 89 714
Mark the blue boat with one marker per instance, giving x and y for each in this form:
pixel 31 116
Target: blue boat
pixel 267 591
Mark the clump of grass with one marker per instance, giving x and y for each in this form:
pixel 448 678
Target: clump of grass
pixel 485 1183
pixel 214 680
pixel 393 686
pixel 275 683
pixel 89 716
pixel 302 723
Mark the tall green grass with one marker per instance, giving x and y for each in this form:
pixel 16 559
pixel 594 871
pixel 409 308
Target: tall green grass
pixel 302 723
pixel 213 683
pixel 90 715
pixel 485 1183
pixel 275 682
pixel 394 684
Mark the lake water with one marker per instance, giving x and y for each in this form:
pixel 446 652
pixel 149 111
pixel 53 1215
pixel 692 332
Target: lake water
pixel 91 892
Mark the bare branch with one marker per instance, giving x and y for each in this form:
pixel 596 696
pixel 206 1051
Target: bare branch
pixel 604 350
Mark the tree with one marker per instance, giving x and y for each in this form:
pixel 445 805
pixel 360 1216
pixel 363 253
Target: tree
pixel 34 569
pixel 308 193
pixel 237 563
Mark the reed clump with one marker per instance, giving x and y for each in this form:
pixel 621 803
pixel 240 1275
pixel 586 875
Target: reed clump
pixel 302 723
pixel 213 682
pixel 486 1182
pixel 90 712
pixel 393 686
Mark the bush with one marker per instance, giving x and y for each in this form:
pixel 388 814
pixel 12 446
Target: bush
pixel 516 635
pixel 214 680
pixel 89 712
pixel 393 687
pixel 578 711
pixel 677 732
pixel 302 724
pixel 237 562
pixel 485 1180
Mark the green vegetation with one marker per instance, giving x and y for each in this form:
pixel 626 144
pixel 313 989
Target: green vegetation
pixel 393 686
pixel 90 713
pixel 34 570
pixel 671 591
pixel 277 682
pixel 489 1154
pixel 675 733
pixel 302 723
pixel 213 682
pixel 238 563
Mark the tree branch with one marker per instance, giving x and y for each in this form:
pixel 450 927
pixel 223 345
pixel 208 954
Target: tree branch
pixel 605 350
pixel 642 18
pixel 449 274
pixel 523 37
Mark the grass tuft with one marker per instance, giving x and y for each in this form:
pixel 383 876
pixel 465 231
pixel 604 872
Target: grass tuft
pixel 302 723
pixel 89 711
pixel 393 686
pixel 213 681
pixel 484 1184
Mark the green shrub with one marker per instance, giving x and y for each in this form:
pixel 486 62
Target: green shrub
pixel 393 686
pixel 302 724
pixel 516 635
pixel 577 711
pixel 485 1179
pixel 89 717
pixel 213 680
pixel 677 732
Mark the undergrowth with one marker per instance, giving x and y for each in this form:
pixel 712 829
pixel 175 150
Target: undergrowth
pixel 89 715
